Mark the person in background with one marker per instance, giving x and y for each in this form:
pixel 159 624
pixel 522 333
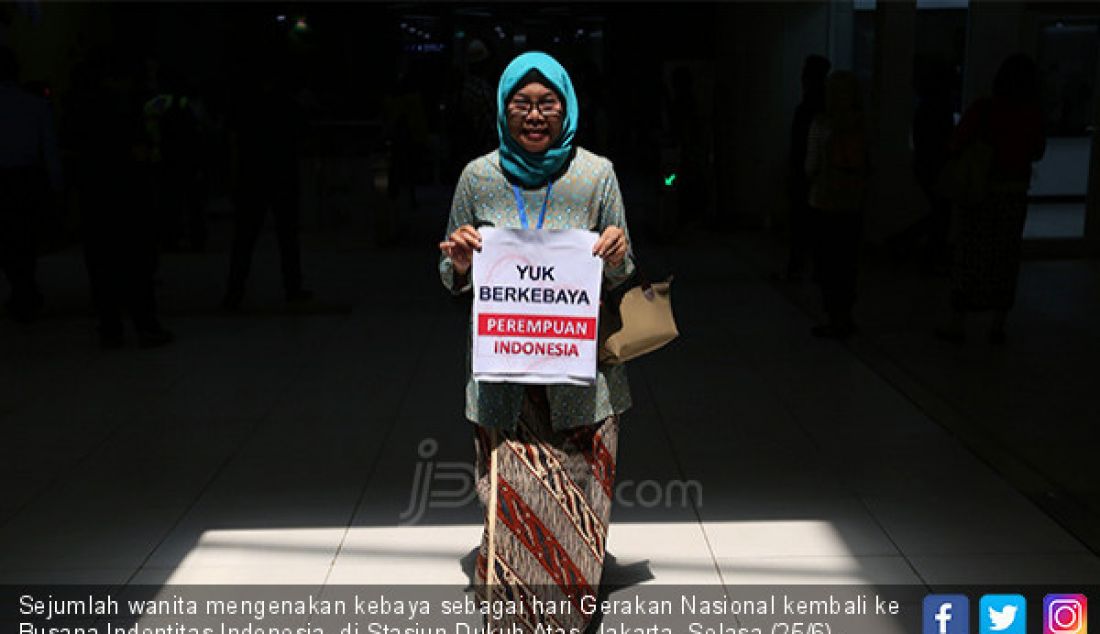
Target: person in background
pixel 591 87
pixel 29 169
pixel 266 133
pixel 476 103
pixel 406 128
pixel 986 264
pixel 173 119
pixel 933 124
pixel 551 438
pixel 814 71
pixel 837 165
pixel 119 229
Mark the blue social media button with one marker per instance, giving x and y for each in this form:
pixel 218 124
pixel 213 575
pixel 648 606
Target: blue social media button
pixel 946 614
pixel 1002 614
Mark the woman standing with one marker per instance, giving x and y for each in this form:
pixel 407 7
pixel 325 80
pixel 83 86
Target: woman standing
pixel 837 167
pixel 801 223
pixel 555 444
pixel 990 233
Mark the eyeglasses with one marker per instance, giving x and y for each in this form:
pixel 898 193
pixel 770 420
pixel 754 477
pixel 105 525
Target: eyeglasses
pixel 547 107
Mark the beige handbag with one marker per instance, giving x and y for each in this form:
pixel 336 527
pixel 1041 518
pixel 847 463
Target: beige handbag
pixel 643 323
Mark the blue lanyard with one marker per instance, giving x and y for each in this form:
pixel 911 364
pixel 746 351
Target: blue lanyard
pixel 523 207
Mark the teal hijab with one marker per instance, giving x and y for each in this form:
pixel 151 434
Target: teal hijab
pixel 534 170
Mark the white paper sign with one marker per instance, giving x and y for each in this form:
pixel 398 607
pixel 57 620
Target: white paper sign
pixel 536 306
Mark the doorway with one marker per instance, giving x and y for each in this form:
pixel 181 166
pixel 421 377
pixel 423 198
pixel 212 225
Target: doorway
pixel 1067 52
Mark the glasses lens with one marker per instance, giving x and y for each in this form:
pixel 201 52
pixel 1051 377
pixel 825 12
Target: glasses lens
pixel 549 106
pixel 546 107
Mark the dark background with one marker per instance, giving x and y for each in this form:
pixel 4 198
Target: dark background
pixel 377 155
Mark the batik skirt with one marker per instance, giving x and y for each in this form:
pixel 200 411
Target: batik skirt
pixel 554 493
pixel 988 249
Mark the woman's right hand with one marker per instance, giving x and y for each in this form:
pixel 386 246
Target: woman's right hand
pixel 460 246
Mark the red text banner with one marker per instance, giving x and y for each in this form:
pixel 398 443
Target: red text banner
pixel 549 327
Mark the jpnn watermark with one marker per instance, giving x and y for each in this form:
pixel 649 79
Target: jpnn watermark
pixel 451 484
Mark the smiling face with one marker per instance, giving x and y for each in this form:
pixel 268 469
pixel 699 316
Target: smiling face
pixel 535 116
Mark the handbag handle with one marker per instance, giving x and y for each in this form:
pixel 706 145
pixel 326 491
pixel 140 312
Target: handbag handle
pixel 644 281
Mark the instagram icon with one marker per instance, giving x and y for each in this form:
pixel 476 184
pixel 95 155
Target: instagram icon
pixel 1065 614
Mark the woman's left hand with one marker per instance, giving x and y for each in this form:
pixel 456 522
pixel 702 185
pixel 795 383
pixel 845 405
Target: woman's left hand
pixel 611 246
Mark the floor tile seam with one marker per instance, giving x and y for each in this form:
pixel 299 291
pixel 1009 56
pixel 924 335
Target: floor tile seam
pixel 234 566
pixel 833 469
pixel 1084 554
pixel 799 557
pixel 66 568
pixel 682 473
pixel 814 442
pixel 870 364
pixel 74 373
pixel 994 456
pixel 889 536
pixel 826 549
pixel 236 451
pixel 29 401
pixel 904 384
pixel 767 553
pixel 96 446
pixel 370 472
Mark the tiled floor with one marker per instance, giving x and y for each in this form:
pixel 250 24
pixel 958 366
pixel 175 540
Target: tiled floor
pixel 279 446
pixel 1027 408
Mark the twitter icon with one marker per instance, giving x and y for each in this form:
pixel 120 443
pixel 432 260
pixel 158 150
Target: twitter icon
pixel 1002 614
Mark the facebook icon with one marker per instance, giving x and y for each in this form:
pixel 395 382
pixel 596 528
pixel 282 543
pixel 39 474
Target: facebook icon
pixel 946 614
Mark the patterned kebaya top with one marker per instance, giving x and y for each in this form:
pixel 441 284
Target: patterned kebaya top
pixel 585 196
